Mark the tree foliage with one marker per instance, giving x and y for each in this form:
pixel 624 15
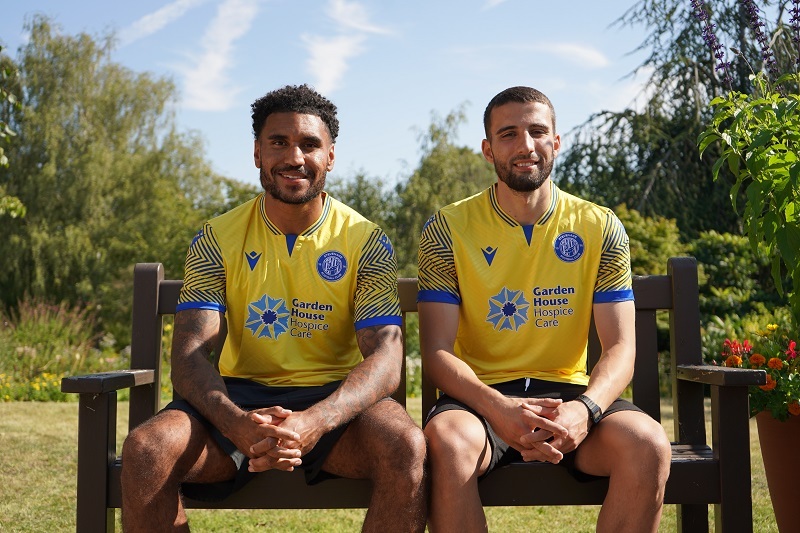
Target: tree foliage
pixel 369 196
pixel 647 158
pixel 9 205
pixel 107 179
pixel 652 241
pixel 446 173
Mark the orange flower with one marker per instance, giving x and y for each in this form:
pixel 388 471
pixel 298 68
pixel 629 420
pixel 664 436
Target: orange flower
pixel 756 360
pixel 771 384
pixel 775 363
pixel 794 408
pixel 733 360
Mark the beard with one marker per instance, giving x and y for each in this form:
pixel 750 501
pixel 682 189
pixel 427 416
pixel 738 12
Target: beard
pixel 527 182
pixel 270 185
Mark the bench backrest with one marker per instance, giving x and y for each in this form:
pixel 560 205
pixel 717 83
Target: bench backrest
pixel 676 293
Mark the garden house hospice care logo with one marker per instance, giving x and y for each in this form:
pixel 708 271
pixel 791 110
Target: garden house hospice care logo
pixel 269 317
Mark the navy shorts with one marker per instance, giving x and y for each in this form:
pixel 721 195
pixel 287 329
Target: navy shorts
pixel 502 453
pixel 250 395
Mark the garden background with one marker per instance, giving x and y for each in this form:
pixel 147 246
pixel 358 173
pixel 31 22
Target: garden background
pixel 95 176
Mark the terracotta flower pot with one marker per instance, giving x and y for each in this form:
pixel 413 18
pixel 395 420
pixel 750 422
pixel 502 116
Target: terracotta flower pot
pixel 780 451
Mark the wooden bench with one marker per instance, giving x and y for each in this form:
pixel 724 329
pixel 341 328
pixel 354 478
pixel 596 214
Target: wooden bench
pixel 701 474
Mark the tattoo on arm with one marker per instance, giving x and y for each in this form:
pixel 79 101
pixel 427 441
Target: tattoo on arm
pixel 373 379
pixel 194 351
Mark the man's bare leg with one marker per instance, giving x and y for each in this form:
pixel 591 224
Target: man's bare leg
pixel 459 452
pixel 165 451
pixel 632 449
pixel 384 445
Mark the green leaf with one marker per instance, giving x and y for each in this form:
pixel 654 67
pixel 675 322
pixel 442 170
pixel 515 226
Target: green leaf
pixel 770 225
pixel 705 139
pixel 718 165
pixel 788 238
pixel 761 139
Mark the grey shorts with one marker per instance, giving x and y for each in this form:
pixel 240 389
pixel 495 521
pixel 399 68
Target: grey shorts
pixel 249 395
pixel 502 453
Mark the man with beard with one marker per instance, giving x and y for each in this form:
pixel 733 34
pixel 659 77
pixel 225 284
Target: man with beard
pixel 509 279
pixel 307 291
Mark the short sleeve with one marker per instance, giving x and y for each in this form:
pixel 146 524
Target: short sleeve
pixel 614 282
pixel 204 274
pixel 376 299
pixel 438 281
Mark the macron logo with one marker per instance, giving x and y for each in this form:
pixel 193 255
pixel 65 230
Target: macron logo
pixel 252 259
pixel 488 253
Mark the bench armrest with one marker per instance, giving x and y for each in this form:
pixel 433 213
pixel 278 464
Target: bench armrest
pixel 103 382
pixel 721 375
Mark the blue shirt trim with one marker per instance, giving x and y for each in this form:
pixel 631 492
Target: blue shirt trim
pixel 437 296
pixel 528 229
pixel 290 240
pixel 392 320
pixel 209 306
pixel 613 296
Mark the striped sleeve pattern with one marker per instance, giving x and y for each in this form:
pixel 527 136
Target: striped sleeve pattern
pixel 376 300
pixel 204 277
pixel 614 275
pixel 438 281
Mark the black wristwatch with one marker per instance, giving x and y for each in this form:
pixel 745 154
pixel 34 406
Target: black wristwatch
pixel 595 413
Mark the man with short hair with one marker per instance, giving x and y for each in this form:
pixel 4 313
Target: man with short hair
pixel 508 280
pixel 307 290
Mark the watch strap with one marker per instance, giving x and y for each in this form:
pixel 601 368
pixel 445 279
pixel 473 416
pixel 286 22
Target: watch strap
pixel 595 413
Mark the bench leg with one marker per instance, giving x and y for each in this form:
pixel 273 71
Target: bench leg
pixel 97 417
pixel 730 433
pixel 693 518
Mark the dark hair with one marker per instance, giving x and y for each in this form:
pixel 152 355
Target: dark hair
pixel 519 95
pixel 295 99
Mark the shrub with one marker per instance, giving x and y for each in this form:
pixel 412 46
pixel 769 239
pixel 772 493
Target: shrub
pixel 41 342
pixel 734 279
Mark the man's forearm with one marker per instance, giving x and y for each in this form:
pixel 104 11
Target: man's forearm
pixel 609 377
pixel 375 378
pixel 194 376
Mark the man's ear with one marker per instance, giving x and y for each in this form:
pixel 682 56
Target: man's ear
pixel 486 149
pixel 331 157
pixel 257 153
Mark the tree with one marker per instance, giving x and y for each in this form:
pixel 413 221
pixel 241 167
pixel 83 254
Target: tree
pixel 368 196
pixel 107 179
pixel 9 205
pixel 446 173
pixel 648 158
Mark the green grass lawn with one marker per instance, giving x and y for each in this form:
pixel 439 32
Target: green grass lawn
pixel 38 465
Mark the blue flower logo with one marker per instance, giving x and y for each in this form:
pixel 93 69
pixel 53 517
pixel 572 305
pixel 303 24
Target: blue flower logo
pixel 267 317
pixel 508 310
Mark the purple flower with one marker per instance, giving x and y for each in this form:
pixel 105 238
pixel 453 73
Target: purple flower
pixel 722 67
pixel 794 22
pixel 757 25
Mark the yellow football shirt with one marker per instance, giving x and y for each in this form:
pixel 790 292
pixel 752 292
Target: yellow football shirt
pixel 525 293
pixel 292 302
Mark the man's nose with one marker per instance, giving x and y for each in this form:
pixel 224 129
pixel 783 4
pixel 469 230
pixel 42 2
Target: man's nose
pixel 528 143
pixel 295 156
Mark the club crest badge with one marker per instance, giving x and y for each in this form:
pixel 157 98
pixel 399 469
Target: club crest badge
pixel 331 266
pixel 569 247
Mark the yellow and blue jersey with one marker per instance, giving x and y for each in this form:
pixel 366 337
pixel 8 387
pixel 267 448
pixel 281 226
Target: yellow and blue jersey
pixel 525 293
pixel 292 302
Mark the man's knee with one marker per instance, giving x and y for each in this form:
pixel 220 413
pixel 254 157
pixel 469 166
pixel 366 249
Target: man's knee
pixel 648 454
pixel 456 437
pixel 405 452
pixel 156 443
